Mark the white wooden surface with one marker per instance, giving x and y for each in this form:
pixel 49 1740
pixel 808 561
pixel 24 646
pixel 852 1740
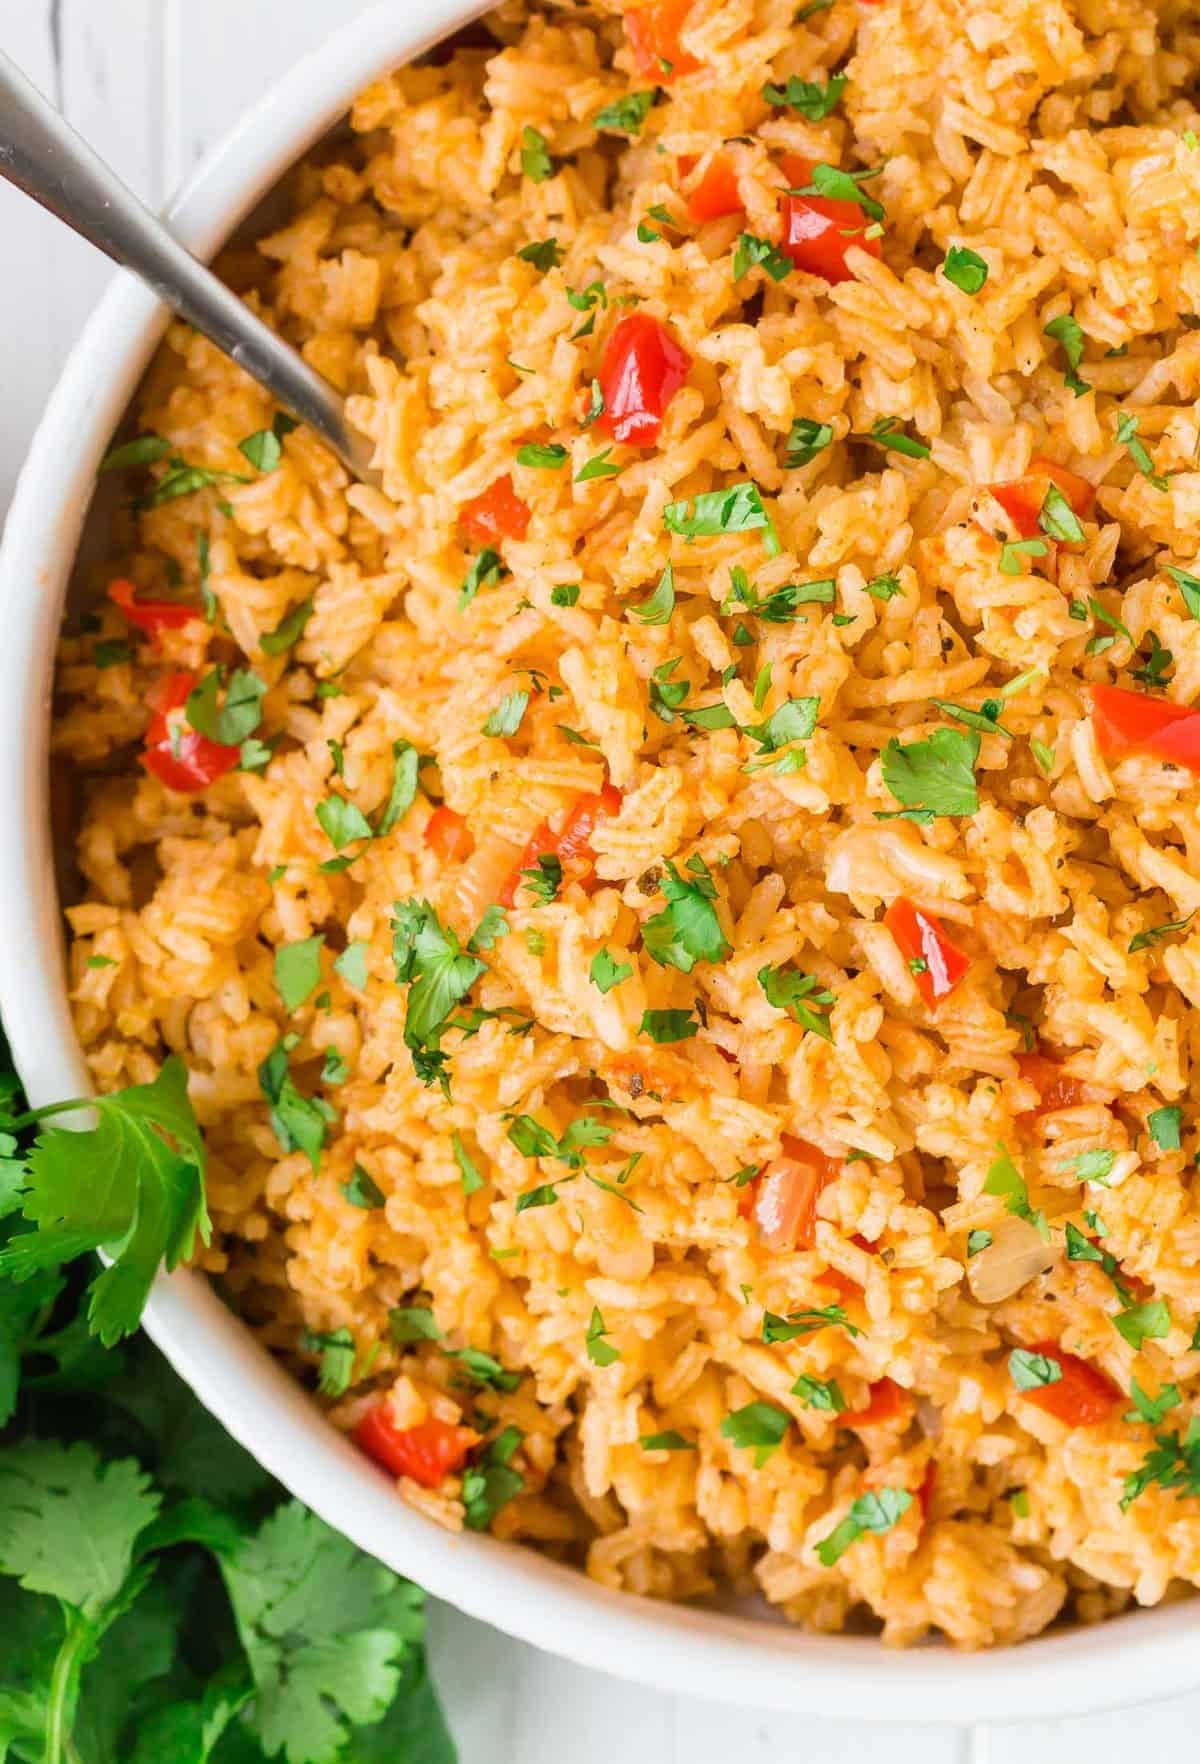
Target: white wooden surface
pixel 151 83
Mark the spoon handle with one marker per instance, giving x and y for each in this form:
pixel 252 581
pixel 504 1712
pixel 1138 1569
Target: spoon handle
pixel 45 158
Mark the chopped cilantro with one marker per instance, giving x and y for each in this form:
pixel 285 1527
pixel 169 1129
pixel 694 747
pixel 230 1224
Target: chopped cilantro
pixel 1091 1166
pixel 299 1122
pixel 428 958
pixel 111 651
pixel 507 717
pixel 336 1350
pixel 1004 1179
pixel 667 1026
pixel 599 466
pixel 264 449
pixel 1013 550
pixel 1030 1371
pixel 1164 1125
pixel 760 1426
pixel 820 1393
pixel 485 572
pixel 411 1323
pixel 738 509
pixel 626 115
pixel 875 1512
pixel 547 457
pixel 1151 1409
pixel 1058 519
pixel 801 996
pixel 472 1181
pixel 658 607
pixel 752 251
pixel 977 1240
pixel 1127 435
pixel 1154 933
pixel 352 965
pixel 362 1191
pixel 810 99
pixel 605 973
pixel 965 268
pixel 843 186
pixel 543 254
pixel 1189 587
pixel 806 439
pixel 1066 331
pixel 670 1441
pixel 688 929
pixel 536 163
pixel 933 777
pixel 801 1323
pixel 883 587
pixel 886 433
pixel 986 719
pixel 544 878
pixel 599 1351
pixel 1144 1322
pixel 298 969
pixel 238 717
pixel 491 1482
pixel 141 451
pixel 565 594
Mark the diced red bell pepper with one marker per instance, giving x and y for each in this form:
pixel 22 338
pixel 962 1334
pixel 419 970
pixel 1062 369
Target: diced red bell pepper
pixel 498 513
pixel 1130 722
pixel 182 758
pixel 653 33
pixel 427 1453
pixel 151 616
pixel 783 1200
pixel 716 194
pixel 1082 1397
pixel 819 230
pixel 920 938
pixel 571 845
pixel 642 369
pixel 1022 498
pixel 886 1402
pixel 448 836
pixel 1056 1089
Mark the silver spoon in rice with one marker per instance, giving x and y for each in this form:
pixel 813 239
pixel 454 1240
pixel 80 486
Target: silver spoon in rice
pixel 46 159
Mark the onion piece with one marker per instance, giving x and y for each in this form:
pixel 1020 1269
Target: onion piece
pixel 1017 1253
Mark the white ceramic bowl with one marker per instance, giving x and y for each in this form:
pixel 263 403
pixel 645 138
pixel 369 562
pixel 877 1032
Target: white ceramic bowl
pixel 699 1653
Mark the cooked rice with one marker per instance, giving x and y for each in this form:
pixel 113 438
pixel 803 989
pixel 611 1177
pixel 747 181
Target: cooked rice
pixel 1051 137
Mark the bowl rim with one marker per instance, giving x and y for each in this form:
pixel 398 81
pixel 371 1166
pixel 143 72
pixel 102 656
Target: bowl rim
pixel 674 1648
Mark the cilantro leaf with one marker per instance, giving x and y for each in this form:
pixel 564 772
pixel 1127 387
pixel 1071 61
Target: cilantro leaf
pixel 800 995
pixel 737 509
pixel 933 777
pixel 886 433
pixel 327 1632
pixel 626 115
pixel 806 439
pixel 543 254
pixel 298 969
pixel 1164 1125
pixel 800 1323
pixel 362 1190
pixel 343 822
pixel 472 1181
pixel 752 252
pixel 547 458
pixel 965 268
pixel 668 1441
pixel 406 763
pixel 1127 435
pixel 485 572
pixel 428 957
pixel 535 156
pixel 1013 550
pixel 299 1122
pixel 352 965
pixel 491 1482
pixel 688 930
pixel 658 607
pixel 809 98
pixel 69 1524
pixel 134 1183
pixel 508 715
pixel 759 1425
pixel 288 631
pixel 605 972
pixel 876 1512
pixel 842 186
pixel 819 1393
pixel 600 1351
pixel 1066 331
pixel 336 1350
pixel 238 717
pixel 1189 587
pixel 1144 1322
pixel 1155 933
pixel 264 449
pixel 142 450
pixel 1058 519
pixel 1003 1178
pixel 794 720
pixel 409 1323
pixel 668 1026
pixel 1031 1371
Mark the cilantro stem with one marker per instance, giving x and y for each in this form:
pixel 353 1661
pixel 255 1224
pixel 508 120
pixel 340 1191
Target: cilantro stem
pixel 16 1123
pixel 67 1663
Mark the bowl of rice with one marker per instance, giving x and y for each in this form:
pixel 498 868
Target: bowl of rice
pixel 676 905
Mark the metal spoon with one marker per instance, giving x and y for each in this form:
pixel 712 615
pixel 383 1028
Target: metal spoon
pixel 41 155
